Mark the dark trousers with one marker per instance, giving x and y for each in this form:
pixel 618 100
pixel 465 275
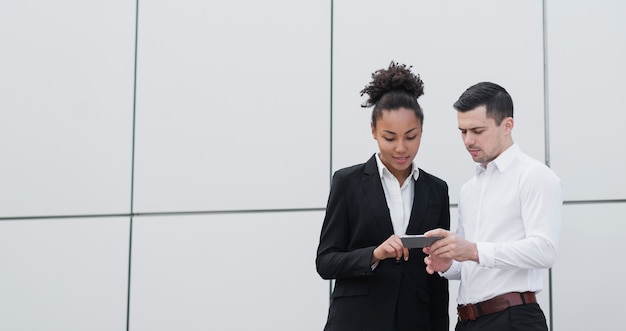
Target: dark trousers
pixel 528 317
pixel 394 326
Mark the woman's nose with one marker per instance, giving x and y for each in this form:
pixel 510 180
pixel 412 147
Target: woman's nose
pixel 400 147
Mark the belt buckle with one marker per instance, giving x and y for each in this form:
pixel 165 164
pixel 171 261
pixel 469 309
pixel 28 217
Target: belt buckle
pixel 469 311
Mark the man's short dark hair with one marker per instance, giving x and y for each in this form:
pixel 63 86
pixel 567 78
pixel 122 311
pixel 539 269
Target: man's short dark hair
pixel 493 96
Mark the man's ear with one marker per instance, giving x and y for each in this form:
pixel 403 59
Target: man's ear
pixel 509 123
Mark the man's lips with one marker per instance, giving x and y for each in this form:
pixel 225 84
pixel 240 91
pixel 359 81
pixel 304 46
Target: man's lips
pixel 474 152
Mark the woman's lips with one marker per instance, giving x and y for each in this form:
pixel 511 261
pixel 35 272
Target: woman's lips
pixel 404 159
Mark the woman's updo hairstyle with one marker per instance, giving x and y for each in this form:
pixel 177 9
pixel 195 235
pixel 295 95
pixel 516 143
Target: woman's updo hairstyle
pixel 394 88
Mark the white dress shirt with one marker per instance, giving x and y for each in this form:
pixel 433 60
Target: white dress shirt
pixel 512 211
pixel 399 199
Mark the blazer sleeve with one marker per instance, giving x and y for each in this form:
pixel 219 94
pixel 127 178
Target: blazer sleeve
pixel 438 285
pixel 335 259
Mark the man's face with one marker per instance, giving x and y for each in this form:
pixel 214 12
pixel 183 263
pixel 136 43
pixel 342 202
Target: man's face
pixel 482 137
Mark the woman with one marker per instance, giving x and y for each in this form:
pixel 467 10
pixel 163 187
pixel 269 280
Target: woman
pixel 380 285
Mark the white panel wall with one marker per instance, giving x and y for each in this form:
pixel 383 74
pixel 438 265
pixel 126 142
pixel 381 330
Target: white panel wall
pixel 587 49
pixel 251 271
pixel 234 113
pixel 66 97
pixel 586 69
pixel 589 268
pixel 452 45
pixel 232 105
pixel 64 274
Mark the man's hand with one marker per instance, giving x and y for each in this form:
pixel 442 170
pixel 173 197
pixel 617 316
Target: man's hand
pixel 435 264
pixel 450 247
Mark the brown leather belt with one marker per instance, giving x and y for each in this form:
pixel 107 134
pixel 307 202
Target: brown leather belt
pixel 471 312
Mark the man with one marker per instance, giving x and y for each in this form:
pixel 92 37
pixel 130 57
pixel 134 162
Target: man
pixel 509 221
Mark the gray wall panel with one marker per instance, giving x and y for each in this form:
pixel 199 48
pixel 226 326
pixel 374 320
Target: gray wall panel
pixel 66 98
pixel 227 272
pixel 587 268
pixel 64 274
pixel 586 67
pixel 232 105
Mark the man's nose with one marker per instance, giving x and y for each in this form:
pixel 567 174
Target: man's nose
pixel 468 140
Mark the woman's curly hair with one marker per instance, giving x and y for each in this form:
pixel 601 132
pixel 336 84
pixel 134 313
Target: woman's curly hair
pixel 394 88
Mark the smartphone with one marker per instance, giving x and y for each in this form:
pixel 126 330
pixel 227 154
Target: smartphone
pixel 418 240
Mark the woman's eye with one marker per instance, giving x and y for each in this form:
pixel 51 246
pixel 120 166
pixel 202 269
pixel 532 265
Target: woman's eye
pixel 388 139
pixel 411 138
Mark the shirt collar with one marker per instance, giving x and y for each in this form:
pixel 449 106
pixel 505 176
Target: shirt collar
pixel 503 161
pixel 382 168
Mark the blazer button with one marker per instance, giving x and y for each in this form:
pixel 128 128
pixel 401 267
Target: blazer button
pixel 398 263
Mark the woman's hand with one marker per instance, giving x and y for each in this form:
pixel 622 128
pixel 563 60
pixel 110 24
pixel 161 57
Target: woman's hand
pixel 390 248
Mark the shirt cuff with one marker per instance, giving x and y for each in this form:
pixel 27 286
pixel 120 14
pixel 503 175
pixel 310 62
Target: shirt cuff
pixel 454 272
pixel 486 254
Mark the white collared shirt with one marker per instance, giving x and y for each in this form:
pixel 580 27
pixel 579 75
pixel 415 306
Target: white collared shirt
pixel 512 211
pixel 399 199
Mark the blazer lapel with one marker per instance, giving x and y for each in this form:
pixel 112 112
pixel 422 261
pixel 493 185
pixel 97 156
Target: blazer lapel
pixel 420 203
pixel 373 190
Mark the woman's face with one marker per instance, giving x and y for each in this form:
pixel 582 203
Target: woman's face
pixel 398 133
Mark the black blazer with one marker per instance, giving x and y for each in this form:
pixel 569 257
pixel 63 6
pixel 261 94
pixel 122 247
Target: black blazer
pixel 357 220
